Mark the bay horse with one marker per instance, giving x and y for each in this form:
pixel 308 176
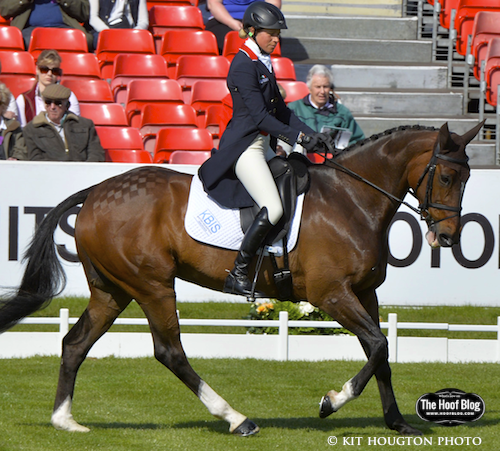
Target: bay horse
pixel 131 241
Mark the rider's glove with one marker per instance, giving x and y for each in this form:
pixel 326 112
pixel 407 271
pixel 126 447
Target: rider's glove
pixel 310 142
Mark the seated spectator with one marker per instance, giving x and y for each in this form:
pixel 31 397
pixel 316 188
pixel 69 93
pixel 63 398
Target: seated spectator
pixel 11 112
pixel 322 111
pixel 48 72
pixel 117 14
pixel 59 135
pixel 30 14
pixel 12 145
pixel 227 15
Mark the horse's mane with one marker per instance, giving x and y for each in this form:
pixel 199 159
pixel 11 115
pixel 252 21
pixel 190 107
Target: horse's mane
pixel 388 132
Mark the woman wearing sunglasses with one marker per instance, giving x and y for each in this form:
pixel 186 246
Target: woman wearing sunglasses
pixel 48 72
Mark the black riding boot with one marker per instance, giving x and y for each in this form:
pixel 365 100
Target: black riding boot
pixel 237 281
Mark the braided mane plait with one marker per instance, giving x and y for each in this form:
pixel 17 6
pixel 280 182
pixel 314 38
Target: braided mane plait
pixel 390 132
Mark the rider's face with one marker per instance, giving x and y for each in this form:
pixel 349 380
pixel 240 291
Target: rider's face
pixel 267 39
pixel 320 90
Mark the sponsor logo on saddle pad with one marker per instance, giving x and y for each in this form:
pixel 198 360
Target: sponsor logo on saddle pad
pixel 207 220
pixel 450 407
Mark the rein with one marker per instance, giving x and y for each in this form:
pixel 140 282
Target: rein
pixel 423 208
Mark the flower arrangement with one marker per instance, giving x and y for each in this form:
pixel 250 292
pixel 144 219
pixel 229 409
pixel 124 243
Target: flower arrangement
pixel 271 308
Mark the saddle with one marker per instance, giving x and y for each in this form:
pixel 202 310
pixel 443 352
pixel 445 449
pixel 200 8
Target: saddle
pixel 292 179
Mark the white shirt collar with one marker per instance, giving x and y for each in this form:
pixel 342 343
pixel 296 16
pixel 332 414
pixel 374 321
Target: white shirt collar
pixel 264 59
pixel 326 105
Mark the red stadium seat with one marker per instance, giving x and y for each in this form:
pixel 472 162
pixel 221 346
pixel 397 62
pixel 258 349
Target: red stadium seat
pixel 467 10
pixel 172 139
pixel 11 39
pixel 4 21
pixel 176 43
pixel 80 66
pixel 145 92
pixel 283 68
pixel 191 68
pixel 164 18
pixel 492 71
pixel 90 91
pixel 205 93
pixel 446 7
pixel 114 41
pixel 105 114
pixel 121 138
pixel 129 67
pixel 213 120
pixel 157 116
pixel 18 84
pixel 189 157
pixel 486 27
pixel 60 39
pixel 17 63
pixel 128 156
pixel 152 3
pixel 18 71
pixel 232 44
pixel 295 90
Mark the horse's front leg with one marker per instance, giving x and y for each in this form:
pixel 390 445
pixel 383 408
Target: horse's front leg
pixel 346 308
pixel 392 415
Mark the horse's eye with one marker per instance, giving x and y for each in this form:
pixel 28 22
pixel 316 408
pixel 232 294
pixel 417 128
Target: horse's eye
pixel 445 180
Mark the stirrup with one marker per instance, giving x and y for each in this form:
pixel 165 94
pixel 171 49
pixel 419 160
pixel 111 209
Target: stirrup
pixel 240 287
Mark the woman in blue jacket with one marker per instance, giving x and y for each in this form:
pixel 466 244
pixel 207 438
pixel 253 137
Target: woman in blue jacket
pixel 238 174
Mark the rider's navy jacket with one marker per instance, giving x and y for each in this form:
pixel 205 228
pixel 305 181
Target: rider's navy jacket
pixel 257 108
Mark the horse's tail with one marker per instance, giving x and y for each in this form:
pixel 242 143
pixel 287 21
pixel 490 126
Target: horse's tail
pixel 44 277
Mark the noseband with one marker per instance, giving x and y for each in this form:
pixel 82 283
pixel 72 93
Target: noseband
pixel 431 170
pixel 423 208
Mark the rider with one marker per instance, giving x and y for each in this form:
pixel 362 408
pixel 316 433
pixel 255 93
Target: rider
pixel 238 174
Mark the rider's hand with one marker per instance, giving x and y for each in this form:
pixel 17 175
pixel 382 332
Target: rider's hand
pixel 310 142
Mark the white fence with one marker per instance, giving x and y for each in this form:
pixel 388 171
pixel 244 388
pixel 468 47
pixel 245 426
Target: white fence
pixel 271 347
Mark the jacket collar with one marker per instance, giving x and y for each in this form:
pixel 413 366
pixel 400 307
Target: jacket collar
pixel 10 125
pixel 329 108
pixel 254 53
pixel 41 119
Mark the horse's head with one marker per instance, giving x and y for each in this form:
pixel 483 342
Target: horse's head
pixel 441 185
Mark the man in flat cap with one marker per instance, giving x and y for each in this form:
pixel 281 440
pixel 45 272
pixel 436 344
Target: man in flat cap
pixel 59 135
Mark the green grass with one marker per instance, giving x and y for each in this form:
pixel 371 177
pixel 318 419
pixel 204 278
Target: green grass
pixel 136 404
pixel 222 310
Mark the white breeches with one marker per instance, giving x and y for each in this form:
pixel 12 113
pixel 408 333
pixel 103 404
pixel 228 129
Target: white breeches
pixel 253 172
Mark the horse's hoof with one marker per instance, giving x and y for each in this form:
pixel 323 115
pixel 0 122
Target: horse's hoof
pixel 247 428
pixel 325 407
pixel 405 429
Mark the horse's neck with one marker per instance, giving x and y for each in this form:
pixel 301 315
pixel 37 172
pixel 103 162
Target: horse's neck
pixel 383 162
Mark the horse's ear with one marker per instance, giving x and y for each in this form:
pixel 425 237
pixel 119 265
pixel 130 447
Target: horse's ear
pixel 444 137
pixel 469 136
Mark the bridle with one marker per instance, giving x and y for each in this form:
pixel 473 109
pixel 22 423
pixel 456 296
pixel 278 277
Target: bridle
pixel 423 209
pixel 431 170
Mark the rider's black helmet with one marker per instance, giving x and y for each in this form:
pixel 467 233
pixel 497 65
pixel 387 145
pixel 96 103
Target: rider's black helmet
pixel 263 15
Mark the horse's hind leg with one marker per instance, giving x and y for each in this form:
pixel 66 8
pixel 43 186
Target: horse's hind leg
pixel 162 317
pixel 100 314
